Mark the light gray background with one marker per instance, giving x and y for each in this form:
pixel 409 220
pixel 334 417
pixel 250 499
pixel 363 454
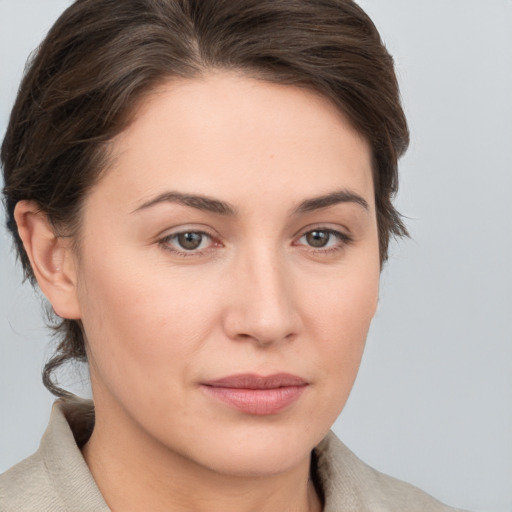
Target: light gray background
pixel 433 401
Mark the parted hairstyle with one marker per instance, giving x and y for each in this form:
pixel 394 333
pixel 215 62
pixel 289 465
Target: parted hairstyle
pixel 103 57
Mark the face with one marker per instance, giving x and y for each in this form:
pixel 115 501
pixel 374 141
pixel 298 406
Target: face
pixel 228 272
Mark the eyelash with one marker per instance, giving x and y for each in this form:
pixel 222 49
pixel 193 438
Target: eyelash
pixel 166 243
pixel 343 240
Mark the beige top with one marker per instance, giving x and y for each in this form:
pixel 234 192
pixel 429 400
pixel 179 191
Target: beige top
pixel 57 479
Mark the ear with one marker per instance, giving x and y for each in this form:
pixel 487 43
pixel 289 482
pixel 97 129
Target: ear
pixel 51 258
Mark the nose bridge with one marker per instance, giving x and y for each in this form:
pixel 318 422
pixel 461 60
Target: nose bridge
pixel 265 309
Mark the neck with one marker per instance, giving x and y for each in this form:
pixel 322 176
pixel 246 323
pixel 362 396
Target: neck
pixel 134 472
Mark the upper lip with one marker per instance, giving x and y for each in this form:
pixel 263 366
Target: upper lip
pixel 253 381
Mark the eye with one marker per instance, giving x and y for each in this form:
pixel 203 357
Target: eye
pixel 187 241
pixel 324 239
pixel 318 238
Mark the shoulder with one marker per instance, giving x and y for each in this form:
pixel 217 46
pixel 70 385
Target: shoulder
pixel 350 484
pixel 28 487
pixel 56 478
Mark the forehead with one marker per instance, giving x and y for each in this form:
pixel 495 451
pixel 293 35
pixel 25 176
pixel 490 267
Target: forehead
pixel 223 134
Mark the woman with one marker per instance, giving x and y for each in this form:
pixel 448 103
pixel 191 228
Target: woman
pixel 202 191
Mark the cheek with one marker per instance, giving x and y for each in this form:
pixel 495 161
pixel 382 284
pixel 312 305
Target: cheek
pixel 343 301
pixel 138 323
pixel 341 317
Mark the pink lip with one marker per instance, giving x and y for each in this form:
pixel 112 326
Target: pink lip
pixel 255 394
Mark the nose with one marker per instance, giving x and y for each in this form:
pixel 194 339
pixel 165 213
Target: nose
pixel 263 308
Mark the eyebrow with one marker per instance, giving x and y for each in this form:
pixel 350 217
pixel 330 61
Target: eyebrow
pixel 210 204
pixel 203 203
pixel 341 196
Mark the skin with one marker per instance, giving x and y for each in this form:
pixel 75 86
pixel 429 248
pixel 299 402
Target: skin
pixel 255 297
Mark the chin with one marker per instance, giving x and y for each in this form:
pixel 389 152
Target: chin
pixel 257 452
pixel 259 463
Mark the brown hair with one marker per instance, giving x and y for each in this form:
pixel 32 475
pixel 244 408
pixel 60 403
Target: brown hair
pixel 103 56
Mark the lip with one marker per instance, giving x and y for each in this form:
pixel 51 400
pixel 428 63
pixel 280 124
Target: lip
pixel 255 394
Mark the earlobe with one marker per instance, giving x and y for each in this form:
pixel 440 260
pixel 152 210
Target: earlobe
pixel 51 258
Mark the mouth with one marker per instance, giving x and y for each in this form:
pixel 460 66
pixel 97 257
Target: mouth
pixel 255 394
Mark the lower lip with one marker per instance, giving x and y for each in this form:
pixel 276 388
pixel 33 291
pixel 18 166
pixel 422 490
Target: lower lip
pixel 258 402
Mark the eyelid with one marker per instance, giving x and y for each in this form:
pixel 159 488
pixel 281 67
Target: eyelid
pixel 164 240
pixel 332 228
pixel 343 237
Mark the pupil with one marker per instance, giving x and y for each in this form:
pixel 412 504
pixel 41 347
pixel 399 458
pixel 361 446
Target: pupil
pixel 317 238
pixel 190 241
